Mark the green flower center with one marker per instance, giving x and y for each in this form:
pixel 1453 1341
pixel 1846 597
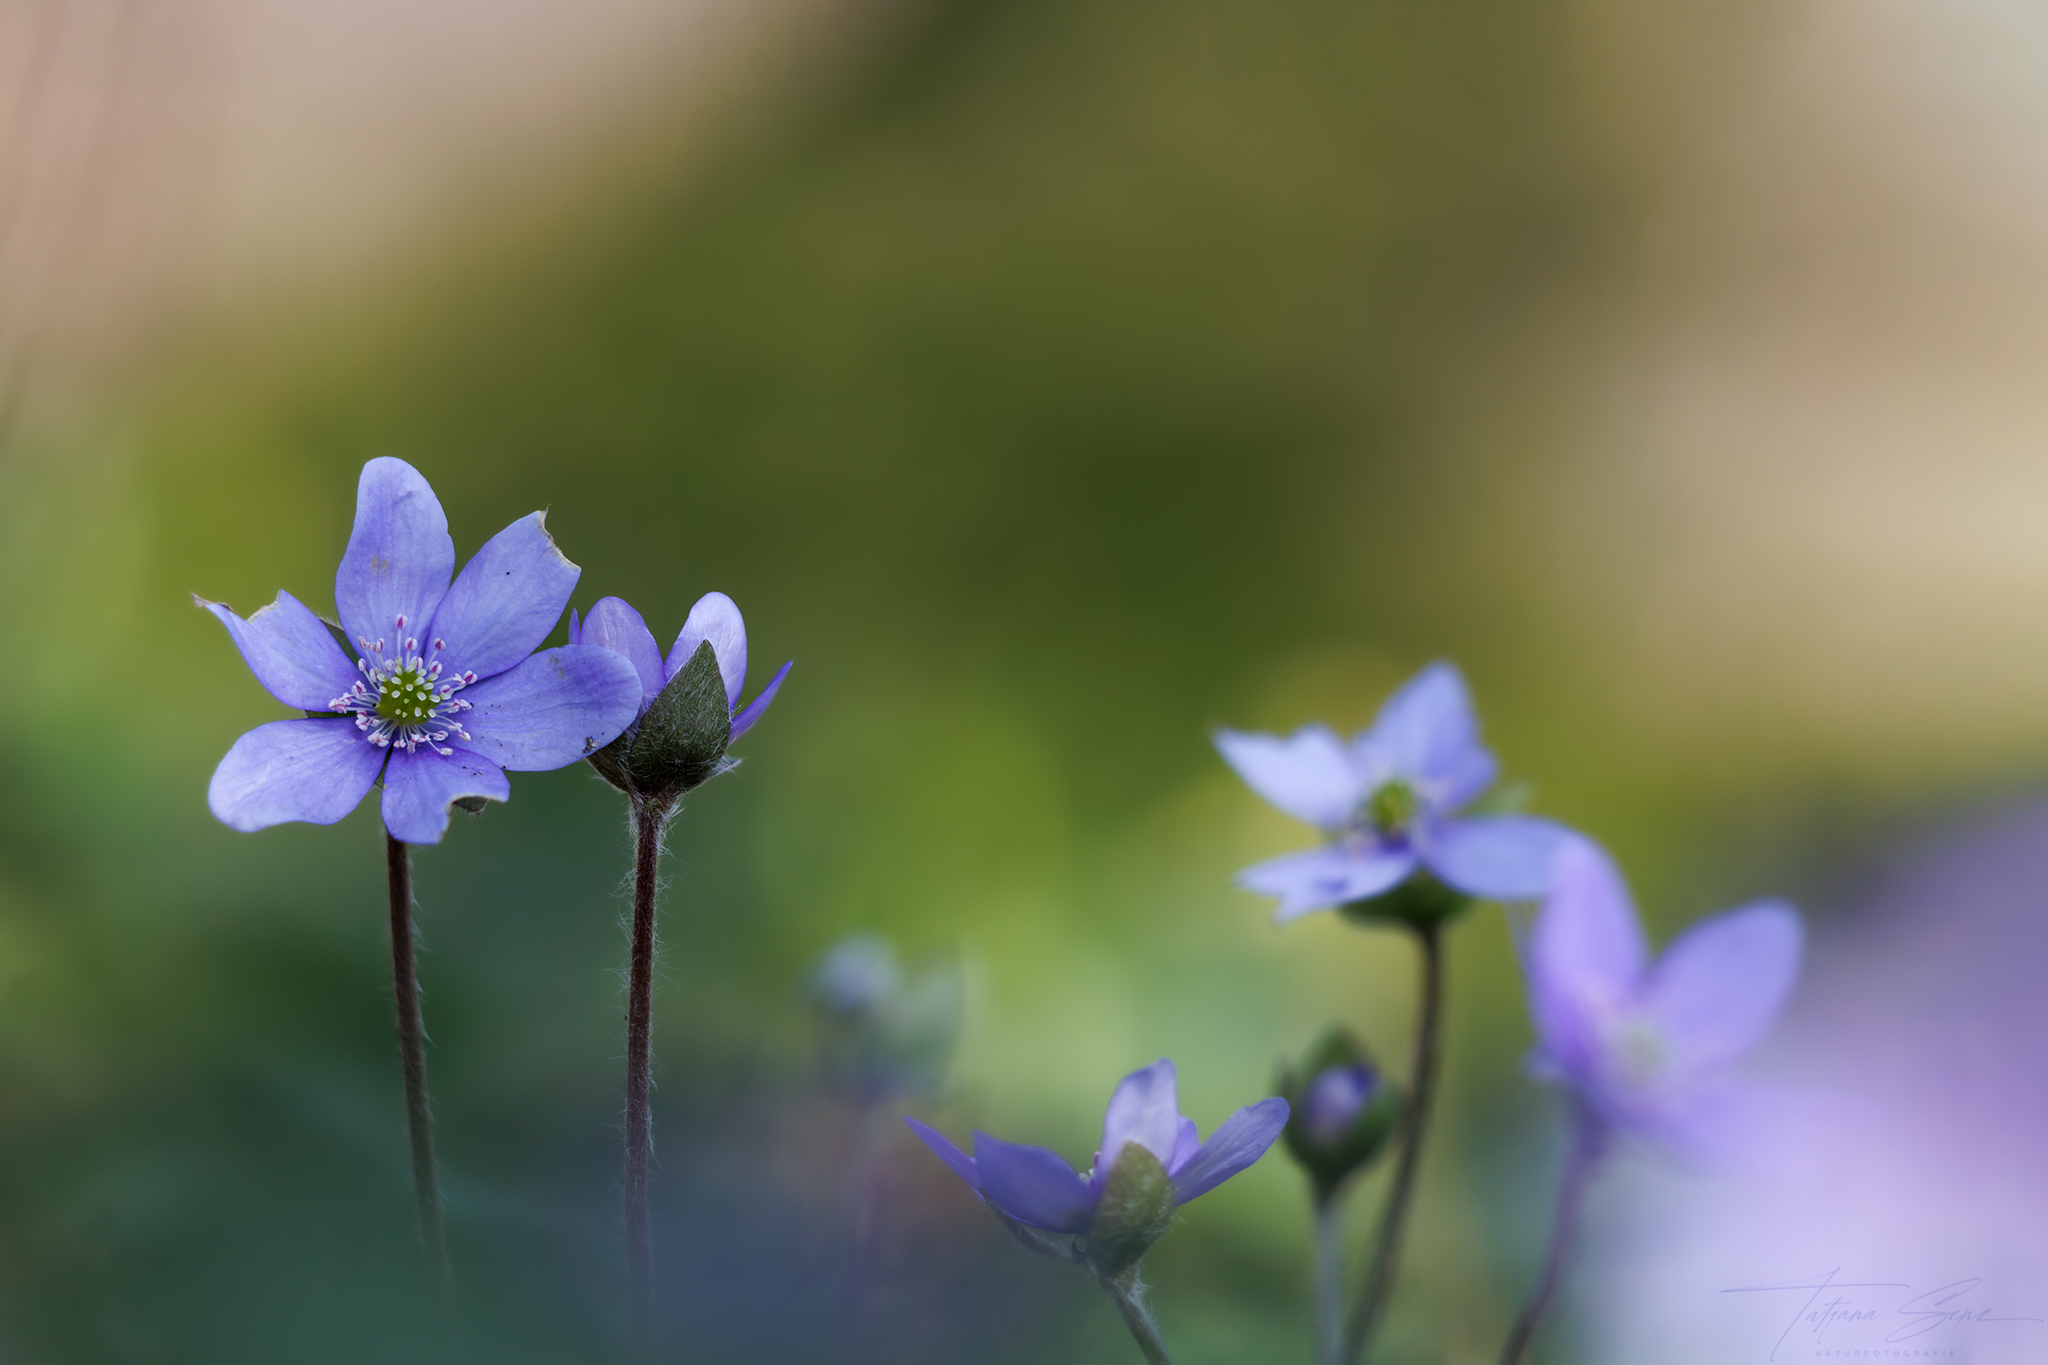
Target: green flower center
pixel 407 697
pixel 403 700
pixel 1638 1049
pixel 1392 807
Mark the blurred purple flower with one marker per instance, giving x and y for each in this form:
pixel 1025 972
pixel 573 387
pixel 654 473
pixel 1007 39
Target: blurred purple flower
pixel 1389 800
pixel 1643 1047
pixel 446 693
pixel 1036 1187
pixel 617 627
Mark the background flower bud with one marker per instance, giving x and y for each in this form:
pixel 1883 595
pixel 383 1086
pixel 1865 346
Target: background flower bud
pixel 882 1035
pixel 1341 1110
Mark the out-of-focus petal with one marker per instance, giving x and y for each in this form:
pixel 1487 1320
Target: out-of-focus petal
pixel 1323 877
pixel 505 601
pixel 758 707
pixel 575 628
pixel 1240 1140
pixel 1185 1147
pixel 420 785
pixel 1500 857
pixel 311 770
pixel 1033 1185
pixel 1721 983
pixel 616 626
pixel 1426 733
pixel 1585 955
pixel 560 705
pixel 1145 1109
pixel 716 618
pixel 399 556
pixel 1308 775
pixel 290 651
pixel 1457 777
pixel 963 1165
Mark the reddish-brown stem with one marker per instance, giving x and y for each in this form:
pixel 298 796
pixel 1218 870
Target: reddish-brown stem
pixel 647 825
pixel 412 1055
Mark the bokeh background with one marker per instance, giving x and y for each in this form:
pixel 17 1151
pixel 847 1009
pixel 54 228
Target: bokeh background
pixel 1053 382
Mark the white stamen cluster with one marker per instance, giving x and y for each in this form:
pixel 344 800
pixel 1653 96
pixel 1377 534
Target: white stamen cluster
pixel 401 702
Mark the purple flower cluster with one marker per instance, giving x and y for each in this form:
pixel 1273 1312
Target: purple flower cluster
pixel 445 692
pixel 1390 801
pixel 435 684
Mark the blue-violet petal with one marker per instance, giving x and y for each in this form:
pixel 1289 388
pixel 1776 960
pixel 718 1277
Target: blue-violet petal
pixel 291 652
pixel 421 784
pixel 1719 986
pixel 398 561
pixel 560 705
pixel 1033 1185
pixel 312 770
pixel 506 600
pixel 1308 774
pixel 758 707
pixel 1145 1109
pixel 1499 857
pixel 716 618
pixel 1324 877
pixel 962 1164
pixel 1585 955
pixel 614 625
pixel 1240 1140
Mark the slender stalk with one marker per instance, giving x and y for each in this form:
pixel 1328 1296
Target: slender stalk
pixel 867 1179
pixel 1386 1251
pixel 647 825
pixel 1571 1191
pixel 1330 1279
pixel 412 1054
pixel 1128 1295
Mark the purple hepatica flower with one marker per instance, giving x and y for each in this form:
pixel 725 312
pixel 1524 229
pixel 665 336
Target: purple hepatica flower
pixel 1651 1047
pixel 1036 1187
pixel 1390 802
pixel 716 618
pixel 446 692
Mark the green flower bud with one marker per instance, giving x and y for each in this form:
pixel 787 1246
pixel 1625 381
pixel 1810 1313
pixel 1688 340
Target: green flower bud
pixel 680 743
pixel 882 1034
pixel 1341 1111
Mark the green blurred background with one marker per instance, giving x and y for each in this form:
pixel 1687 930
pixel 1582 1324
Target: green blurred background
pixel 1053 383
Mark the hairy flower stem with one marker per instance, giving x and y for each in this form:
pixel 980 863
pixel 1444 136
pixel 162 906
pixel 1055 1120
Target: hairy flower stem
pixel 1330 1278
pixel 412 1053
pixel 1386 1251
pixel 1586 1147
pixel 648 819
pixel 1128 1295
